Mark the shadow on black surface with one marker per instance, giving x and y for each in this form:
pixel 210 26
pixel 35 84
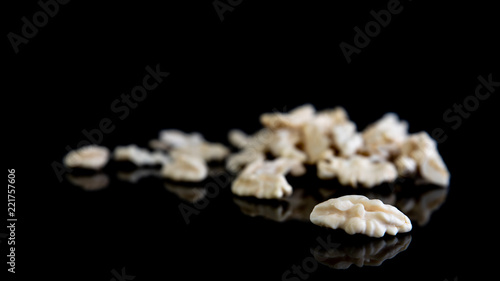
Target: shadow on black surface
pixel 291 215
pixel 417 202
pixel 92 182
pixel 361 253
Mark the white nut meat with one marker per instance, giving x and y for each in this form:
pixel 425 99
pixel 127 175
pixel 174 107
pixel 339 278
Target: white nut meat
pixel 329 118
pixel 358 214
pixel 259 141
pixel 236 161
pixel 266 186
pixel 175 138
pixel 206 150
pixel 384 137
pixel 189 143
pixel 238 138
pixel 280 142
pixel 91 157
pixel 317 134
pixel 356 170
pixel 346 139
pixel 405 165
pixel 423 150
pixel 296 118
pixel 184 167
pixel 264 179
pixel 284 145
pixel 139 156
pixel 316 142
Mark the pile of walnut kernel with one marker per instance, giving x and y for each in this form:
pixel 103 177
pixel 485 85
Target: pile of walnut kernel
pixel 328 139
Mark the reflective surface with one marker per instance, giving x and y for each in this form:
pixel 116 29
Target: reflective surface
pixel 362 253
pixel 259 229
pixel 76 77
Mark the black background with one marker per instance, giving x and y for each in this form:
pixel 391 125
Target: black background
pixel 265 56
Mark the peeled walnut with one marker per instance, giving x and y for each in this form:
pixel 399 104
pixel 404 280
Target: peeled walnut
pixel 316 133
pixel 280 142
pixel 316 142
pixel 184 167
pixel 175 138
pixel 91 157
pixel 329 118
pixel 264 179
pixel 193 144
pixel 238 138
pixel 383 138
pixel 258 141
pixel 297 169
pixel 158 145
pixel 358 214
pixel 356 170
pixel 139 156
pixel 346 139
pixel 284 144
pixel 386 198
pixel 405 165
pixel 423 150
pixel 294 119
pixel 252 147
pixel 236 161
pixel 267 186
pixel 206 150
pixel 319 132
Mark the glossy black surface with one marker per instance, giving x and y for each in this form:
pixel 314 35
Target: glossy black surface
pixel 151 225
pixel 263 57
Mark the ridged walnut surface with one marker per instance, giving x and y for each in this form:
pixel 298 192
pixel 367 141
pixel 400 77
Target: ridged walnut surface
pixel 358 214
